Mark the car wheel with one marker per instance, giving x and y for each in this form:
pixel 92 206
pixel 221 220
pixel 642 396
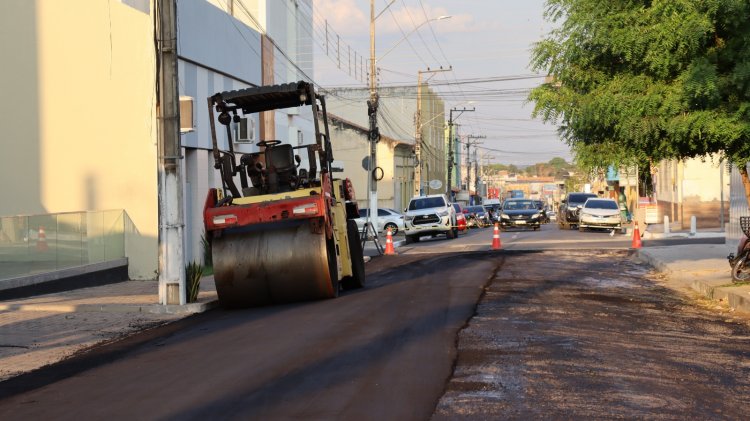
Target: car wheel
pixel 450 234
pixel 393 227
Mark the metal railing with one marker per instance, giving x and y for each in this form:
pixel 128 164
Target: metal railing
pixel 35 244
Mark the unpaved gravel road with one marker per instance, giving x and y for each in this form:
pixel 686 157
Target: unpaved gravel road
pixel 594 335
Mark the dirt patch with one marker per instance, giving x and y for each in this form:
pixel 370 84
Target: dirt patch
pixel 578 335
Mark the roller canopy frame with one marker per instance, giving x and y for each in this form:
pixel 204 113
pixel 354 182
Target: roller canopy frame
pixel 265 98
pixel 260 99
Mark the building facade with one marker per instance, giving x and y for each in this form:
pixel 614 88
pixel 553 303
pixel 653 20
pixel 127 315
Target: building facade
pixel 81 131
pixel 693 187
pixel 397 121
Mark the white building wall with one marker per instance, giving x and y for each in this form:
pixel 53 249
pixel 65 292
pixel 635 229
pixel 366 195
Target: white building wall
pixel 220 50
pixel 78 119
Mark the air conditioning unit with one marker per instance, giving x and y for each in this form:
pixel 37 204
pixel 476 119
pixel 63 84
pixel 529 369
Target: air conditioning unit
pixel 244 131
pixel 187 118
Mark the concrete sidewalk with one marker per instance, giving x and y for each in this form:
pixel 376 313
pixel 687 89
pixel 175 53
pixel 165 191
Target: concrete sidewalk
pixel 702 267
pixel 45 329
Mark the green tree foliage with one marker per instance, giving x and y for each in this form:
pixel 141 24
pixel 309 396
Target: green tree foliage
pixel 502 167
pixel 648 80
pixel 556 167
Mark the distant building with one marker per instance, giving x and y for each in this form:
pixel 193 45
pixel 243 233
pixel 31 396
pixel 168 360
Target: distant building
pixel 396 121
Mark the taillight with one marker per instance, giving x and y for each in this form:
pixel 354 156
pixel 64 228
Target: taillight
pixel 306 209
pixel 225 219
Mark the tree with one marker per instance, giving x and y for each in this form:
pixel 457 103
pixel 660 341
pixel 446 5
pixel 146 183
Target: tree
pixel 639 80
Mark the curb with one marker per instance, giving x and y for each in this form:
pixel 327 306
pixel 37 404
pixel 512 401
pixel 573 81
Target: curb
pixel 191 308
pixel 736 296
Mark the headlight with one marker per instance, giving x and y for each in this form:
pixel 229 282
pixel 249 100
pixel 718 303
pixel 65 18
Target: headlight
pixel 536 215
pixel 443 213
pixel 504 216
pixel 408 218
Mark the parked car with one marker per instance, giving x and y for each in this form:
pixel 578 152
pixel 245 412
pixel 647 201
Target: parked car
pixel 460 218
pixel 479 213
pixel 600 213
pixel 387 218
pixel 429 215
pixel 552 215
pixel 567 217
pixel 520 213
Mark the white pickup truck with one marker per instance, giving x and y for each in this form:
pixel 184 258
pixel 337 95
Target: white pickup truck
pixel 429 215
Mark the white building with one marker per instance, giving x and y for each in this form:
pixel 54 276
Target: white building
pixel 79 119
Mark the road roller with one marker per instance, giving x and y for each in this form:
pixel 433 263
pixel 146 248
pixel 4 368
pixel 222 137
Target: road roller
pixel 281 227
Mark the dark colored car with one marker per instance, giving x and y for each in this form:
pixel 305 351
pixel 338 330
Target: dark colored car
pixel 520 213
pixel 567 217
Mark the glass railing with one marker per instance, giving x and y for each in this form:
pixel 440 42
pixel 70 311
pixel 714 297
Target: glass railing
pixel 35 244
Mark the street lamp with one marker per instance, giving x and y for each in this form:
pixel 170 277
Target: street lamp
pixel 372 111
pixel 418 130
pixel 413 31
pixel 450 143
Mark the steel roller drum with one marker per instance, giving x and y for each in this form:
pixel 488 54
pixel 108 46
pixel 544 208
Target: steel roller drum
pixel 272 266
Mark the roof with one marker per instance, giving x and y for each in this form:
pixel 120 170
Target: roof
pixel 265 98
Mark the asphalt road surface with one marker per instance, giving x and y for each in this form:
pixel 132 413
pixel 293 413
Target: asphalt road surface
pixel 382 353
pixel 556 325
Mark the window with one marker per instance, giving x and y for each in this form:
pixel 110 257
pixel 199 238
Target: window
pixel 244 131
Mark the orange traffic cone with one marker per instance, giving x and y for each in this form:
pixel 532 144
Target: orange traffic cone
pixel 41 242
pixel 636 237
pixel 496 244
pixel 389 251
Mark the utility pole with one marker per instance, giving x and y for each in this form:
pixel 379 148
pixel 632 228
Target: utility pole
pixel 418 132
pixel 450 145
pixel 171 224
pixel 469 143
pixel 372 111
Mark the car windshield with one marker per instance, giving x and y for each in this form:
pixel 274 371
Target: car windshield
pixel 475 209
pixel 579 198
pixel 426 203
pixel 601 204
pixel 518 205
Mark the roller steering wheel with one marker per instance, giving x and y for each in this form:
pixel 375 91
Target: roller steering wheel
pixel 268 143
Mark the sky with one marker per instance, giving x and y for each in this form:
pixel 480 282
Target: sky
pixel 485 42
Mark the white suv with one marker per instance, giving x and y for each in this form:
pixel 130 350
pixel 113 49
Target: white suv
pixel 429 215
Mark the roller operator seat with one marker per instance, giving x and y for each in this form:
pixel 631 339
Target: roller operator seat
pixel 282 171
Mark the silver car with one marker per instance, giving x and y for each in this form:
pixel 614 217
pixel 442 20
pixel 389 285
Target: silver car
pixel 387 218
pixel 600 213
